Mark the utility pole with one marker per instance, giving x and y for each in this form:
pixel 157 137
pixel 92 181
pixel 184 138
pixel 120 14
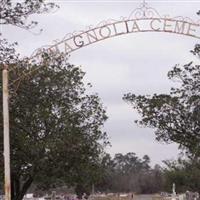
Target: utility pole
pixel 6 135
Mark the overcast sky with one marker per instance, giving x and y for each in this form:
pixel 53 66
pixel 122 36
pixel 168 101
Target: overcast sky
pixel 135 63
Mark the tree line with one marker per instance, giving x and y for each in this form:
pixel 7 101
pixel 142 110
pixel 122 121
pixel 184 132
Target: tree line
pixel 130 174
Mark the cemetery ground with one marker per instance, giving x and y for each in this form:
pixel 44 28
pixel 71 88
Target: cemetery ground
pixel 118 196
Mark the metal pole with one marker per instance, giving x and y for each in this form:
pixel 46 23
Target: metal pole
pixel 6 134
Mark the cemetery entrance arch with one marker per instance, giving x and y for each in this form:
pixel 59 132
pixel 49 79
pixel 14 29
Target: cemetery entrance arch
pixel 142 19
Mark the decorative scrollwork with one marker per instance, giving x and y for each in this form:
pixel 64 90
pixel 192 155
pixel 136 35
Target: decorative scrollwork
pixel 144 11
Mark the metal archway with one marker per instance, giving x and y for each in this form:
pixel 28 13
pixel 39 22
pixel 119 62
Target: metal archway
pixel 142 19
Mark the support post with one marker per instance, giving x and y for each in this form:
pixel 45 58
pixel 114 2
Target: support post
pixel 6 136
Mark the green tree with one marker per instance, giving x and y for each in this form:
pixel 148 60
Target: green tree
pixel 175 116
pixel 105 183
pixel 17 12
pixel 55 126
pixel 185 173
pixel 129 173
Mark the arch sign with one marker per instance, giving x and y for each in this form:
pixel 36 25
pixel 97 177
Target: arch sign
pixel 142 19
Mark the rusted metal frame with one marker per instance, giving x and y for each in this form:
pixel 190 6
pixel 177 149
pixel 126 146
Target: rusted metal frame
pixel 109 24
pixel 118 22
pixel 115 23
pixel 6 135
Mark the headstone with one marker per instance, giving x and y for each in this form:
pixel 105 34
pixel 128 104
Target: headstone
pixel 173 191
pixel 192 195
pixel 53 195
